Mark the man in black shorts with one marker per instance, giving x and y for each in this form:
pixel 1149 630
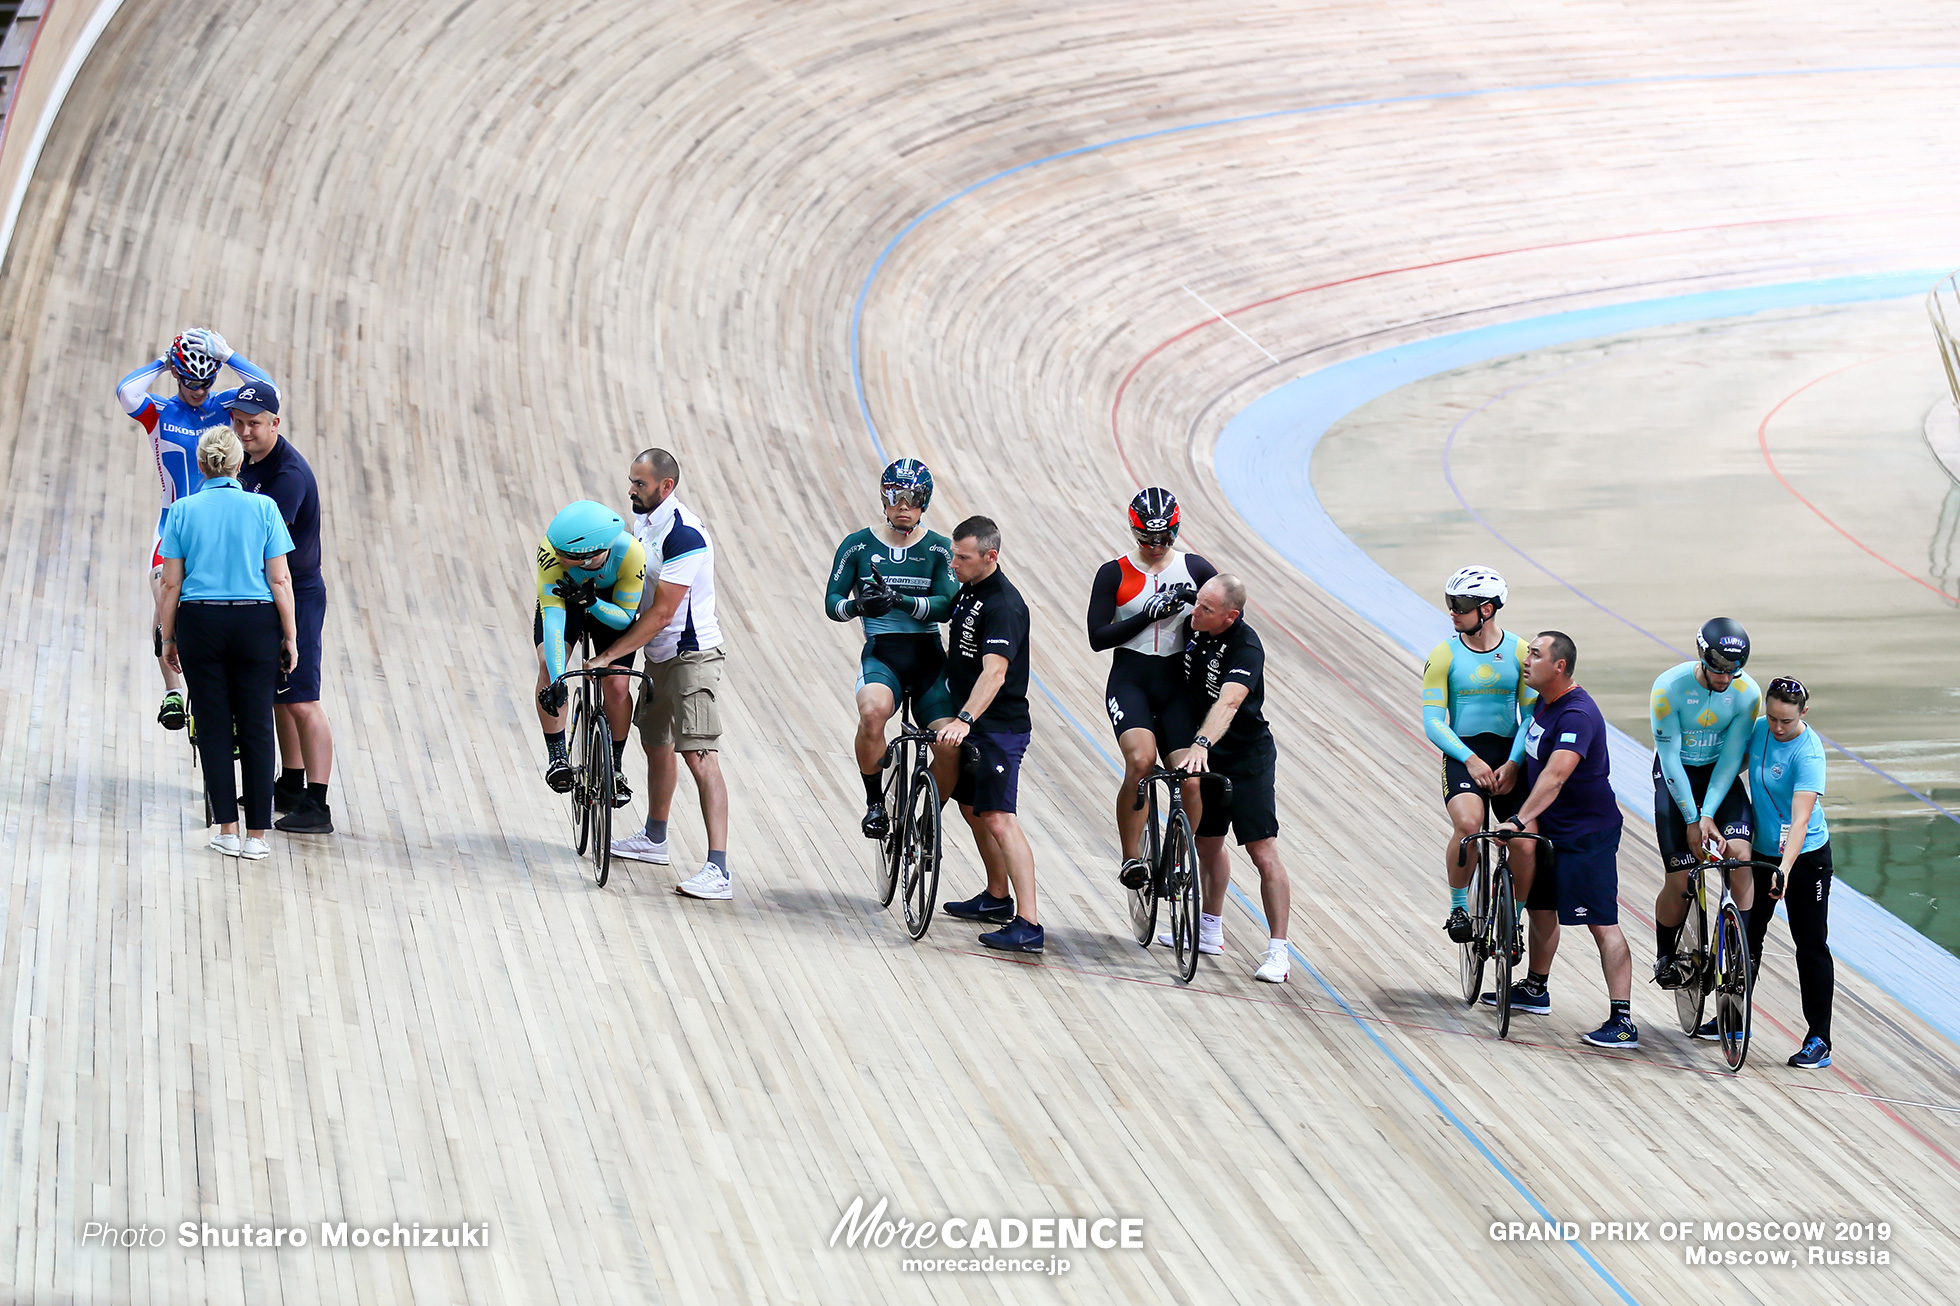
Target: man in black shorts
pixel 1225 674
pixel 987 672
pixel 1137 607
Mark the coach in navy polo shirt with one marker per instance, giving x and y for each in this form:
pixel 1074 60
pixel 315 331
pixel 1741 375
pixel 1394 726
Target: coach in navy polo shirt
pixel 275 469
pixel 1571 803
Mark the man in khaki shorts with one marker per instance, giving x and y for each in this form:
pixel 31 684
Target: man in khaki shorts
pixel 679 712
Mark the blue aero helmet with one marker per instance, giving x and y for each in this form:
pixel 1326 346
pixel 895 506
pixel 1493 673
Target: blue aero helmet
pixel 908 480
pixel 584 528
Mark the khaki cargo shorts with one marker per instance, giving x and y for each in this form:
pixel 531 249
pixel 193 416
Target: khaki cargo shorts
pixel 679 707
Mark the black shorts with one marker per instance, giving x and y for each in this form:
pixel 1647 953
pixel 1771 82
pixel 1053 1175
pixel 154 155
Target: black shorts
pixel 1581 880
pixel 302 683
pixel 576 624
pixel 1253 813
pixel 910 666
pixel 1496 751
pixel 1732 818
pixel 1146 692
pixel 996 787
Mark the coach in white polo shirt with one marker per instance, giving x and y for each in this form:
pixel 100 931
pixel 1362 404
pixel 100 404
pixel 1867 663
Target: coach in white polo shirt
pixel 678 712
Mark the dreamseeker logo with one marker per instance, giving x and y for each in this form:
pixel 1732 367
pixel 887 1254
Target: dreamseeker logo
pixel 977 1239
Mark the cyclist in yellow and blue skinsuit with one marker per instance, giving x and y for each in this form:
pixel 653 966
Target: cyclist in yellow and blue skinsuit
pixel 591 574
pixel 1474 705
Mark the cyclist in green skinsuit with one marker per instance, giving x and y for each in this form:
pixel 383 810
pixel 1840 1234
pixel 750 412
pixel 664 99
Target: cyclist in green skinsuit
pixel 899 579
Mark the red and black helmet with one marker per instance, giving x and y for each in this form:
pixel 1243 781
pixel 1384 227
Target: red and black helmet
pixel 1154 516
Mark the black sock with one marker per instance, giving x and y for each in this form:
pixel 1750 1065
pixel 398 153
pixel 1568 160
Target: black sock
pixel 1623 1007
pixel 1665 938
pixel 1533 980
pixel 318 793
pixel 292 777
pixel 554 744
pixel 619 753
pixel 873 793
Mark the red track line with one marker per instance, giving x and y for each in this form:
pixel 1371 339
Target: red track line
pixel 1762 442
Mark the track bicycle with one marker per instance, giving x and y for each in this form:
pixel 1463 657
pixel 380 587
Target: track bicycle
pixel 594 785
pixel 1716 967
pixel 909 853
pixel 1495 933
pixel 1173 858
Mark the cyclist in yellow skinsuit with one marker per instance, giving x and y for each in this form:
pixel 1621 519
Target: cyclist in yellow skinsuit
pixel 591 574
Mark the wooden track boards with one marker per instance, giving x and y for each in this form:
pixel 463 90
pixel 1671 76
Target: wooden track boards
pixel 490 250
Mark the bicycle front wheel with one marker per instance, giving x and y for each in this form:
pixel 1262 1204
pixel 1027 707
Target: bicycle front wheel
pixel 581 806
pixel 922 855
pixel 1503 936
pixel 1143 902
pixel 1181 885
pixel 1732 995
pixel 1691 955
pixel 1470 955
pixel 599 792
pixel 891 851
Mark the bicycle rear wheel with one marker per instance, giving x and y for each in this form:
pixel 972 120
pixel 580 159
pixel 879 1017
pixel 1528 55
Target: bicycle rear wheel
pixel 1502 933
pixel 1181 889
pixel 922 855
pixel 1732 995
pixel 1143 902
pixel 891 850
pixel 599 795
pixel 581 808
pixel 1691 957
pixel 1470 956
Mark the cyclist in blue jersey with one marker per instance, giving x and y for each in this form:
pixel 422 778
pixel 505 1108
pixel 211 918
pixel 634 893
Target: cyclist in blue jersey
pixel 174 425
pixel 590 576
pixel 1474 699
pixel 1702 713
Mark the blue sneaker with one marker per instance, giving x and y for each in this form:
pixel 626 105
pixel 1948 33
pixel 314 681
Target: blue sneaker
pixel 1815 1054
pixel 983 906
pixel 1016 936
pixel 1617 1032
pixel 1710 1031
pixel 1524 998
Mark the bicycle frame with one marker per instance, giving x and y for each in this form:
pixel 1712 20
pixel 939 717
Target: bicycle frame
pixel 910 851
pixel 1496 934
pixel 1719 967
pixel 592 790
pixel 1172 854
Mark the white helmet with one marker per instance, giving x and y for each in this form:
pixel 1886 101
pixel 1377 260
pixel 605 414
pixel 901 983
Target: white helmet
pixel 1478 583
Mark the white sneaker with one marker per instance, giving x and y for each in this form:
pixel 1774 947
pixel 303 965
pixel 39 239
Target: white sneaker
pixel 1273 969
pixel 1210 945
pixel 636 847
pixel 225 843
pixel 254 849
pixel 712 883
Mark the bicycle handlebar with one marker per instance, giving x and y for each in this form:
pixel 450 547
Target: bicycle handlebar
pixel 907 733
pixel 1165 775
pixel 606 671
pixel 1502 836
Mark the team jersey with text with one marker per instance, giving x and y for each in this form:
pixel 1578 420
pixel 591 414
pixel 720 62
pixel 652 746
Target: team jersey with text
pixel 619 582
pixel 1465 692
pixel 681 553
pixel 1122 590
pixel 174 427
pixel 1695 726
pixel 921 573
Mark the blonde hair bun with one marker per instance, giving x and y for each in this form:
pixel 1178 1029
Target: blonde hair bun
pixel 219 453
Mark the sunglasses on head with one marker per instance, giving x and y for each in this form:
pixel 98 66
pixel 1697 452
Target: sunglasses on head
pixel 1789 687
pixel 1464 603
pixel 904 498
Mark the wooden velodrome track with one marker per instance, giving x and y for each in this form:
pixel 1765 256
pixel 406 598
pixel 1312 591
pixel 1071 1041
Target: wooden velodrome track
pixel 489 250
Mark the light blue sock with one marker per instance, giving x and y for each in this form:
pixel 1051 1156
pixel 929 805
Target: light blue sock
pixel 656 830
pixel 1460 899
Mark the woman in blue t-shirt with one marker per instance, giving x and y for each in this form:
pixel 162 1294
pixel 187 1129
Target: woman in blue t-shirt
pixel 1786 786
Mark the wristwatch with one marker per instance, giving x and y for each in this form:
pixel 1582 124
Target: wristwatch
pixel 966 716
pixel 1201 742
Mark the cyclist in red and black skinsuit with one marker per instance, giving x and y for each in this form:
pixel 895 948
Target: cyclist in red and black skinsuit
pixel 1138 607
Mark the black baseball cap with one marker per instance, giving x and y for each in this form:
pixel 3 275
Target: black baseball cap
pixel 258 397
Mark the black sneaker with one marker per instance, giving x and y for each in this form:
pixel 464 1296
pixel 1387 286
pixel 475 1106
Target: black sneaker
pixel 171 716
pixel 559 775
pixel 1135 874
pixel 310 817
pixel 875 825
pixel 1667 971
pixel 1524 998
pixel 1617 1032
pixel 622 791
pixel 1016 936
pixel 983 906
pixel 287 798
pixel 1458 925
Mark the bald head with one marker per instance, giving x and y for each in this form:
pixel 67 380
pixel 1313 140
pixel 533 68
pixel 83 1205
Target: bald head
pixel 651 479
pixel 1220 603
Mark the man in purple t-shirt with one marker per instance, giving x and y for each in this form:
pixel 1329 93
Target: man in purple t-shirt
pixel 1571 802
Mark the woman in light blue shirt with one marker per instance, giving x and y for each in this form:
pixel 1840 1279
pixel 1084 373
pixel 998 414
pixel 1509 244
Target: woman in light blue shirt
pixel 226 613
pixel 1786 786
